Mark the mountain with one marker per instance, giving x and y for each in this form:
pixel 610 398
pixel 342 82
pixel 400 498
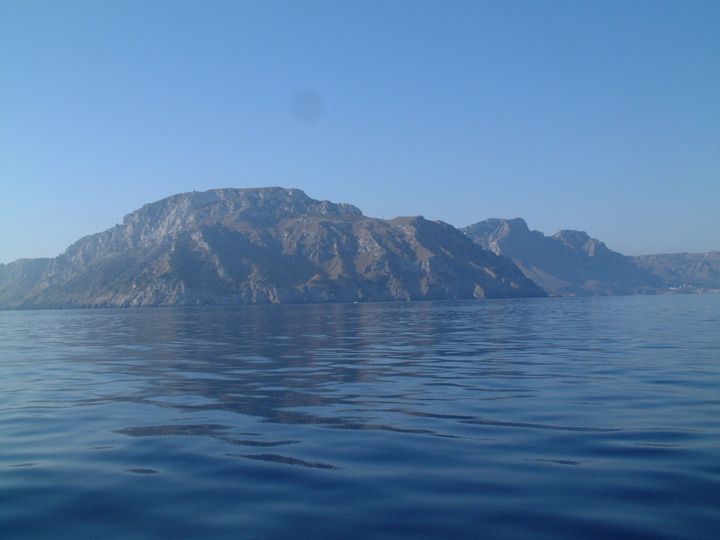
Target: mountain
pixel 265 245
pixel 18 277
pixel 684 270
pixel 567 263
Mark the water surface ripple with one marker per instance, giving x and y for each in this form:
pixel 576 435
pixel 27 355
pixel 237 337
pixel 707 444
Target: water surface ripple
pixel 577 418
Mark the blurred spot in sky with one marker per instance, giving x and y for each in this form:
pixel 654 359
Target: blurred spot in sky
pixel 307 107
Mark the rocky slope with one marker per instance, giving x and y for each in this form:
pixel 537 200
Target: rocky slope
pixel 266 245
pixel 567 263
pixel 18 277
pixel 684 270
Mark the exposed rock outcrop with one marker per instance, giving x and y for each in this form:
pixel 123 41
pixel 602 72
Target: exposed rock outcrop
pixel 265 245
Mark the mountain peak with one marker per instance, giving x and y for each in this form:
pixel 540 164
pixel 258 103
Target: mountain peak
pixel 178 212
pixel 500 224
pixel 262 245
pixel 569 262
pixel 572 238
pixel 273 199
pixel 495 234
pixel 516 224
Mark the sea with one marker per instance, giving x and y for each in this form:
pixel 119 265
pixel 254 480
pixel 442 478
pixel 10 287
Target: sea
pixel 555 418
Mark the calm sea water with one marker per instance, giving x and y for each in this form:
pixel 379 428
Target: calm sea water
pixel 588 418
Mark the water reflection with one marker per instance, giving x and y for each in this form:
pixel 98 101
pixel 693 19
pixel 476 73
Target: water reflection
pixel 355 366
pixel 343 366
pixel 515 419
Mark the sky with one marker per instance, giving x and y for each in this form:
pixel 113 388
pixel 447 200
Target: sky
pixel 600 116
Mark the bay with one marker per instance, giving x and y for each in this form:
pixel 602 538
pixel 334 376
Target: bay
pixel 574 418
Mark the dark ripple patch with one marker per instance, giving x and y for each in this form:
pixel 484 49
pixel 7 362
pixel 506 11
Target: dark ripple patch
pixel 184 429
pixel 275 458
pixel 659 445
pixel 21 465
pixel 488 422
pixel 136 470
pixel 244 442
pixel 559 461
pixel 215 431
pixel 467 419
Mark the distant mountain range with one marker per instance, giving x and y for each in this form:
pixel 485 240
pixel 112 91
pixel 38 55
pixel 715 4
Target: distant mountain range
pixel 266 245
pixel 275 245
pixel 572 263
pixel 684 270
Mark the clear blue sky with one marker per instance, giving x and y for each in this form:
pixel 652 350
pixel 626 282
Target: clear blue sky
pixel 594 115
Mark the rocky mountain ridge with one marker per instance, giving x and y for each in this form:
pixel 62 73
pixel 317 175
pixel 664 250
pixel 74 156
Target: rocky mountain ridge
pixel 567 263
pixel 570 262
pixel 263 245
pixel 692 271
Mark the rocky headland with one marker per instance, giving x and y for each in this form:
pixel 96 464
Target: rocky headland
pixel 258 246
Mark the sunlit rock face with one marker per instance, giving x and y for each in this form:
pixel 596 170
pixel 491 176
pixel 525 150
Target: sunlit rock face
pixel 567 263
pixel 265 245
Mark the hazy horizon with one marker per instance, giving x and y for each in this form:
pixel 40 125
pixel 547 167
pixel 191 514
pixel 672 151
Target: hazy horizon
pixel 601 117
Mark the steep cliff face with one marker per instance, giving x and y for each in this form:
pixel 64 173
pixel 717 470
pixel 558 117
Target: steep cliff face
pixel 567 263
pixel 267 245
pixel 693 270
